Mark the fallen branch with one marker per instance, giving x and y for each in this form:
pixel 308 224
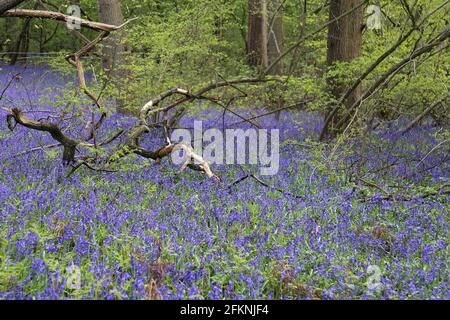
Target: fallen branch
pixel 275 188
pixel 146 110
pixel 250 175
pixel 87 165
pixel 414 122
pixel 191 159
pixel 374 185
pixel 296 105
pixel 69 144
pixel 443 190
pixel 41 148
pixel 42 14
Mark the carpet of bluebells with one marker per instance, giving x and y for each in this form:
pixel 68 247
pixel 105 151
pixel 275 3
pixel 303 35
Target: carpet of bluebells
pixel 143 233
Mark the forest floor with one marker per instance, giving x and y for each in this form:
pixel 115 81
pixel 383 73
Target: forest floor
pixel 313 232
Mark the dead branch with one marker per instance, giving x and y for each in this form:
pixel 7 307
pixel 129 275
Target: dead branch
pixel 442 191
pixel 75 167
pixel 14 77
pixel 296 105
pixel 414 122
pixel 249 175
pixel 147 108
pixel 238 181
pixel 40 148
pixel 132 146
pixel 132 142
pixel 42 14
pixel 189 157
pixel 56 133
pixel 275 188
pixel 373 185
pixel 189 97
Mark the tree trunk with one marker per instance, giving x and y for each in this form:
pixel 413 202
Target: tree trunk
pixel 344 44
pixel 275 41
pixel 275 47
pixel 20 48
pixel 110 12
pixel 22 42
pixel 257 34
pixel 6 5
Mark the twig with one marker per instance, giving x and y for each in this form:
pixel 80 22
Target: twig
pixel 8 85
pixel 41 148
pixel 432 150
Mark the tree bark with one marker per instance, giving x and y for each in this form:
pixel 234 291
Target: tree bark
pixel 22 44
pixel 5 5
pixel 275 41
pixel 344 44
pixel 56 133
pixel 110 12
pixel 275 48
pixel 257 34
pixel 20 48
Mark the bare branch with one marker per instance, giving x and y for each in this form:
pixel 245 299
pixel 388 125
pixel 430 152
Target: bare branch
pixel 375 64
pixel 395 69
pixel 56 133
pixel 14 77
pixel 42 14
pixel 416 120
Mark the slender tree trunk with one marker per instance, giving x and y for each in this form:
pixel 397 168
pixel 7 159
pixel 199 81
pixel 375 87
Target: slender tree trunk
pixel 9 33
pixel 110 12
pixel 23 40
pixel 344 44
pixel 275 46
pixel 20 48
pixel 275 35
pixel 257 34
